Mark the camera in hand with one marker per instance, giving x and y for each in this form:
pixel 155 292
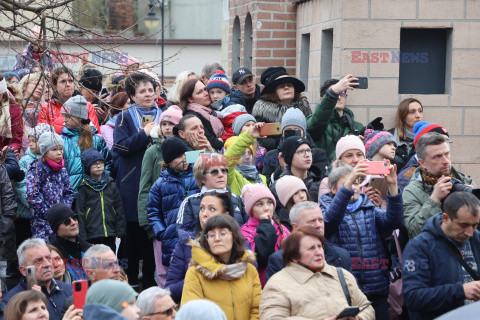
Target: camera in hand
pixel 458 185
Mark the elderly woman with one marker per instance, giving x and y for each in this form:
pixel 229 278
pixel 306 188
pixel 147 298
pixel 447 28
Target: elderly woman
pixel 211 174
pixel 281 92
pixel 194 99
pixel 131 138
pixel 354 223
pixel 222 271
pixel 309 288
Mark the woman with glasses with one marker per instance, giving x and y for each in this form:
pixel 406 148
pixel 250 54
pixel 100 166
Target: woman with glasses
pixel 211 174
pixel 222 271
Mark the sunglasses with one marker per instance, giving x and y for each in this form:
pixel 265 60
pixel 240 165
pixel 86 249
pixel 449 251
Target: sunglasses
pixel 68 221
pixel 216 172
pixel 168 312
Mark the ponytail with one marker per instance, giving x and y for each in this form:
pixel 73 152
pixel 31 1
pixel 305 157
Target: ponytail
pixel 279 224
pixel 86 135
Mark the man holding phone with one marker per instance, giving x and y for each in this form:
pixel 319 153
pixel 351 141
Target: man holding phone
pixel 34 252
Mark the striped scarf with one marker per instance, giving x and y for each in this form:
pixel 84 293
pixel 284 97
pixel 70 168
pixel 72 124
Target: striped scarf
pixel 429 178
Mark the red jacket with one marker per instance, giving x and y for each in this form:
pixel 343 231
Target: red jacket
pixel 51 114
pixel 15 142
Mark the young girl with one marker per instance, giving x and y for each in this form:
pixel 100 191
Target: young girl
pixel 47 183
pixel 263 230
pixel 290 191
pixel 175 184
pixel 78 137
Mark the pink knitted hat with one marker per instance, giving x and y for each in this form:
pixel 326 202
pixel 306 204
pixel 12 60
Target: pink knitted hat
pixel 251 193
pixel 350 142
pixel 173 114
pixel 287 186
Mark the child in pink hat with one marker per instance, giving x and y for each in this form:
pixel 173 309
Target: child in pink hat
pixel 263 230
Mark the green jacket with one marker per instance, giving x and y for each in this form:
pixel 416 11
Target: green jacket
pixel 151 170
pixel 418 206
pixel 235 179
pixel 325 123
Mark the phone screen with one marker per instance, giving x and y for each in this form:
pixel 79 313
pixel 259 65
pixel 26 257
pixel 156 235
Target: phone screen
pixel 31 277
pixel 292 133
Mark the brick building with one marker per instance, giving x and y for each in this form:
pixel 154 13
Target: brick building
pixel 428 49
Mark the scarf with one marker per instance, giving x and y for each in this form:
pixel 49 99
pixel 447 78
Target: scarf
pixel 55 166
pixel 249 172
pixel 5 120
pixel 313 269
pixel 430 179
pixel 352 207
pixel 234 271
pixel 206 112
pixel 97 185
pixel 137 112
pixel 409 134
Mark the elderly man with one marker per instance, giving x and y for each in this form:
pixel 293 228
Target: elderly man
pixel 156 303
pixel 308 213
pixel 34 252
pixel 209 70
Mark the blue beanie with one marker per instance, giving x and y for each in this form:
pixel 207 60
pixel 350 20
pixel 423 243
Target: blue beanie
pixel 89 157
pixel 11 73
pixel 422 127
pixel 219 80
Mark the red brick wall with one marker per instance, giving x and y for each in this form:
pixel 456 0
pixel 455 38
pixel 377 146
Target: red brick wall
pixel 121 14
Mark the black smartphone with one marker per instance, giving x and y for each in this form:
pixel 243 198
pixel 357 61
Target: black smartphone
pixel 292 133
pixel 352 311
pixel 362 83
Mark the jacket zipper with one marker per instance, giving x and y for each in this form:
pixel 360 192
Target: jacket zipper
pixel 86 214
pixel 233 302
pixel 103 214
pixel 358 243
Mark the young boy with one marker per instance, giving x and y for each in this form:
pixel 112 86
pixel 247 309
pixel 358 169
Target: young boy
pixel 98 202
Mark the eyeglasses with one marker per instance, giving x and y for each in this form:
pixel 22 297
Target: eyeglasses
pixel 342 95
pixel 69 220
pixel 215 172
pixel 304 152
pixel 222 234
pixel 98 163
pixel 168 312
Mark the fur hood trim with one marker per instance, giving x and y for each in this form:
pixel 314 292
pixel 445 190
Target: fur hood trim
pixel 269 111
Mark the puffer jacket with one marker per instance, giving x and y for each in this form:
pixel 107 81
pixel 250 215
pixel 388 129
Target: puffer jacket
pixel 405 174
pixel 359 233
pixel 165 198
pixel 101 211
pixel 417 202
pixel 238 298
pixel 20 188
pixel 45 188
pixel 188 213
pixel 235 179
pixel 72 155
pixel 51 113
pixel 151 171
pixel 8 207
pixel 432 277
pixel 325 123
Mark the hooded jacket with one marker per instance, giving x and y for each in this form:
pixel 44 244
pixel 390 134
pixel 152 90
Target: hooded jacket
pixel 8 207
pixel 325 124
pixel 163 203
pixel 46 187
pixel 417 203
pixel 432 277
pixel 238 298
pixel 101 211
pixel 359 232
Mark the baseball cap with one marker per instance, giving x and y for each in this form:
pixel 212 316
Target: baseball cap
pixel 240 74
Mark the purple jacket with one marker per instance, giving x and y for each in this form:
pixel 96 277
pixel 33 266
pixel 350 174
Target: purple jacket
pixel 45 188
pixel 26 61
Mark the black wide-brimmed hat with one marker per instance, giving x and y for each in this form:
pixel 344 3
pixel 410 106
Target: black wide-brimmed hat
pixel 275 76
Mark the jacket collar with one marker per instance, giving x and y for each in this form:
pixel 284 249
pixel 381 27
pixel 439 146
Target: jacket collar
pixel 302 274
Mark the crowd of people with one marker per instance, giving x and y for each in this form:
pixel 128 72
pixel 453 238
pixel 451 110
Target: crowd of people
pixel 182 198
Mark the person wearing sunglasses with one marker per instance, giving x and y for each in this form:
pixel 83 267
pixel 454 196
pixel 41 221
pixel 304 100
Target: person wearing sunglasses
pixel 222 271
pixel 66 227
pixel 211 174
pixel 156 304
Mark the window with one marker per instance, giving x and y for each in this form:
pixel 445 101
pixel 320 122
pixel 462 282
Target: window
pixel 326 55
pixel 423 60
pixel 247 42
pixel 236 44
pixel 304 59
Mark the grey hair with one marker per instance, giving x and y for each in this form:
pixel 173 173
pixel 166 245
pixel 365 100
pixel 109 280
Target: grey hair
pixel 92 252
pixel 200 167
pixel 210 68
pixel 296 211
pixel 146 299
pixel 29 243
pixel 337 174
pixel 429 139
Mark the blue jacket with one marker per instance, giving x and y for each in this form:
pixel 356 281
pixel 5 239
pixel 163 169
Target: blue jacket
pixel 164 200
pixel 335 256
pixel 72 155
pixel 360 233
pixel 188 213
pixel 20 188
pixel 128 150
pixel 15 173
pixel 58 294
pixel 404 176
pixel 94 311
pixel 432 277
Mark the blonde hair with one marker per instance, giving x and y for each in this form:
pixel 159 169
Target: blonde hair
pixel 174 93
pixel 31 77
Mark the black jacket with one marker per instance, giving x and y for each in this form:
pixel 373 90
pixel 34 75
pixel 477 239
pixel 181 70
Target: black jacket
pixel 8 206
pixel 73 253
pixel 237 97
pixel 209 133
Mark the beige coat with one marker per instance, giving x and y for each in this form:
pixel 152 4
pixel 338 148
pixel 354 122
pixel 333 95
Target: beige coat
pixel 297 293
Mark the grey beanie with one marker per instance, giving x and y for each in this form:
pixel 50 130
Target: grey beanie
pixel 49 140
pixel 294 117
pixel 240 121
pixel 76 106
pixel 41 128
pixel 200 310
